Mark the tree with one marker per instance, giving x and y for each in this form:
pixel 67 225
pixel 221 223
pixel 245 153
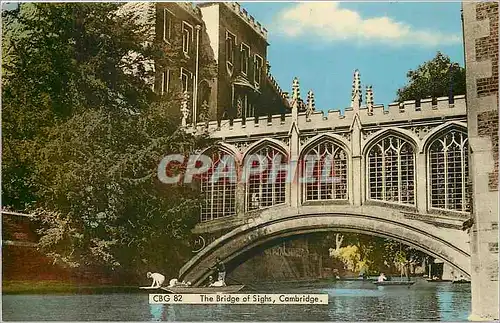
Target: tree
pixel 83 134
pixel 62 59
pixel 101 203
pixel 436 78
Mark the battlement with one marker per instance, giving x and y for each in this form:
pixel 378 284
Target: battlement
pixel 274 83
pixel 191 7
pixel 250 20
pixel 395 113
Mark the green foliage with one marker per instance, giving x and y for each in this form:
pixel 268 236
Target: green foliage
pixel 350 256
pixel 433 79
pixel 371 255
pixel 83 135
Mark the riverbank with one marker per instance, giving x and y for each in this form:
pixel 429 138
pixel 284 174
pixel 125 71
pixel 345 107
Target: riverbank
pixel 58 287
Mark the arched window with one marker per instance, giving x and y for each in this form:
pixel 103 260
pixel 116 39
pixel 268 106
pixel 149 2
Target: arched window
pixel 448 172
pixel 391 171
pixel 266 188
pixel 324 172
pixel 219 191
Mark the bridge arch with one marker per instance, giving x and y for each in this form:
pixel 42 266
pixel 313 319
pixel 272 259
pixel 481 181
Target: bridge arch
pixel 245 238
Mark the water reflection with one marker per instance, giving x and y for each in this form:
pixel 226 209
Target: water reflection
pixel 348 301
pixel 156 311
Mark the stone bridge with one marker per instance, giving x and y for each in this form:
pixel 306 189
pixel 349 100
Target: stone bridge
pixel 441 240
pixel 400 172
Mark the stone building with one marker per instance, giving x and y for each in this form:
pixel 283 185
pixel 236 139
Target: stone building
pixel 212 35
pixel 179 29
pixel 480 27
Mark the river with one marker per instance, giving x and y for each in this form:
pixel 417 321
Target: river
pixel 348 301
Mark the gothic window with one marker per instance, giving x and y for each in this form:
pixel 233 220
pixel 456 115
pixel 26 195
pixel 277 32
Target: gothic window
pixel 167 25
pixel 245 54
pixel 324 172
pixel 165 81
pixel 266 188
pixel 257 69
pixel 187 37
pixel 249 108
pixel 219 192
pixel 245 106
pixel 230 43
pixel 186 77
pixel 448 165
pixel 391 171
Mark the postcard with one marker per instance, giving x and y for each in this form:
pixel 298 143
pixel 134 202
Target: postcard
pixel 254 161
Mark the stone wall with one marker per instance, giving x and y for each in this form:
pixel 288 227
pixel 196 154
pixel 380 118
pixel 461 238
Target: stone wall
pixel 480 25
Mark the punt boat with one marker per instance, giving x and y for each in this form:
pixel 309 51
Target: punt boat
pixel 198 290
pixel 439 280
pixel 394 283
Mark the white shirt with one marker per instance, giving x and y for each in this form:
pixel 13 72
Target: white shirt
pixel 218 283
pixel 158 277
pixel 172 282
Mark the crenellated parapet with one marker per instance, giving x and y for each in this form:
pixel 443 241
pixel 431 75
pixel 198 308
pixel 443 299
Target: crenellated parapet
pixel 392 114
pixel 370 115
pixel 191 7
pixel 250 20
pixel 274 84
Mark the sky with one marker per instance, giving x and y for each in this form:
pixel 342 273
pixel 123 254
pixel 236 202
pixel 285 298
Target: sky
pixel 322 43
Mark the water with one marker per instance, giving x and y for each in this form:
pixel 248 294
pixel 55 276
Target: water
pixel 348 301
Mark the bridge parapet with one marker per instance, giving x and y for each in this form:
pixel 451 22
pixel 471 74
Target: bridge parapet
pixel 394 113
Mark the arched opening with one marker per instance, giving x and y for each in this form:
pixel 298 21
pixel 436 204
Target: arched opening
pixel 265 180
pixel 324 168
pixel 391 170
pixel 448 171
pixel 218 186
pixel 331 255
pixel 239 242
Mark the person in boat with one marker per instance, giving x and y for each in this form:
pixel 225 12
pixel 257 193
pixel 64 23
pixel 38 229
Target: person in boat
pixel 219 283
pixel 221 270
pixel 173 282
pixel 362 274
pixel 381 278
pixel 210 281
pixel 158 279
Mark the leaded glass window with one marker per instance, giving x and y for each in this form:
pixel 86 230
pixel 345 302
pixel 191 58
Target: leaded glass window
pixel 391 171
pixel 324 172
pixel 448 164
pixel 219 192
pixel 265 188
